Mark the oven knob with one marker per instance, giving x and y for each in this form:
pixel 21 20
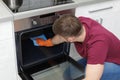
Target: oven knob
pixel 34 22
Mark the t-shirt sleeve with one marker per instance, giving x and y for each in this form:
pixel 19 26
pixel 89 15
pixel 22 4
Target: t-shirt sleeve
pixel 97 52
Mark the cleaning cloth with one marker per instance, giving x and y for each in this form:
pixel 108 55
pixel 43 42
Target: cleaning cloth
pixel 42 36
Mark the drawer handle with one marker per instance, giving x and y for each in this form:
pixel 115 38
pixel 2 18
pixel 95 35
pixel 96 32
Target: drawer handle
pixel 97 10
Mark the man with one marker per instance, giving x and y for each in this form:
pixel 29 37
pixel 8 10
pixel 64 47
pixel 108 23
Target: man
pixel 99 48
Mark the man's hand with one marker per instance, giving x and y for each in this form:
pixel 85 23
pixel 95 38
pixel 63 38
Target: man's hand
pixel 41 42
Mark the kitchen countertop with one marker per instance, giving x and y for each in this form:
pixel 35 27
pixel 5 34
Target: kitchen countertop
pixel 6 14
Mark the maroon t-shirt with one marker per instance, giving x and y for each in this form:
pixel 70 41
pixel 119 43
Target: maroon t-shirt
pixel 100 45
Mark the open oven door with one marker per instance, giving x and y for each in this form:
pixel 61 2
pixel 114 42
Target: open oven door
pixel 45 63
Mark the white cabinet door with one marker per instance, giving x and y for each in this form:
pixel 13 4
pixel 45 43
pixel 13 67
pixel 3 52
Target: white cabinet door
pixel 8 66
pixel 6 30
pixel 8 69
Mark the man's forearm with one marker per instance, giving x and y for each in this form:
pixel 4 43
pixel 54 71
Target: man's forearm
pixel 94 72
pixel 57 40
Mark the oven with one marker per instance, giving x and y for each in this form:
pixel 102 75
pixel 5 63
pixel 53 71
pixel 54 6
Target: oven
pixel 45 63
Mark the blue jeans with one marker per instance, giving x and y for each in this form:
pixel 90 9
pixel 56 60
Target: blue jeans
pixel 111 70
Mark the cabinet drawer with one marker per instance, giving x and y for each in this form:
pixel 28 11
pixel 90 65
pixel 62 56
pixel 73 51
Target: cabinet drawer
pixel 89 10
pixel 6 30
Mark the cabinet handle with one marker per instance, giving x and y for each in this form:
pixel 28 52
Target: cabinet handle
pixel 101 20
pixel 97 10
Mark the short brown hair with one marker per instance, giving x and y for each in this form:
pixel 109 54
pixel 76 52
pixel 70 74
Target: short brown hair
pixel 67 25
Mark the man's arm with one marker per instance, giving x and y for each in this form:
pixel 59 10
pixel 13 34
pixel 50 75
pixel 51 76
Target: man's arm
pixel 94 72
pixel 57 39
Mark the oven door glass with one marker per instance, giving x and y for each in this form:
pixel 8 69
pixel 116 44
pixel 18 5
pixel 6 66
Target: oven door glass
pixel 68 69
pixel 63 71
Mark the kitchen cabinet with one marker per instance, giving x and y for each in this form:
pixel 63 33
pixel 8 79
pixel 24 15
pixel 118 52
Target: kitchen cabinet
pixel 5 30
pixel 106 13
pixel 7 60
pixel 110 22
pixel 8 69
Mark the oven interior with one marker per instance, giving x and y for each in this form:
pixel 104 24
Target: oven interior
pixel 34 60
pixel 28 54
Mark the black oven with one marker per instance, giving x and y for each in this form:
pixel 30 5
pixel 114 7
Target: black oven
pixel 45 63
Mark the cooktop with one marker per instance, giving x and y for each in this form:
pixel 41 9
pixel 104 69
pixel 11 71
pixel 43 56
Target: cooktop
pixel 37 4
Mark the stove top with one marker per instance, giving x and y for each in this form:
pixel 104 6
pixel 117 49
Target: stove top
pixel 37 4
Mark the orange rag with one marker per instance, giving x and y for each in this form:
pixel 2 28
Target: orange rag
pixel 41 42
